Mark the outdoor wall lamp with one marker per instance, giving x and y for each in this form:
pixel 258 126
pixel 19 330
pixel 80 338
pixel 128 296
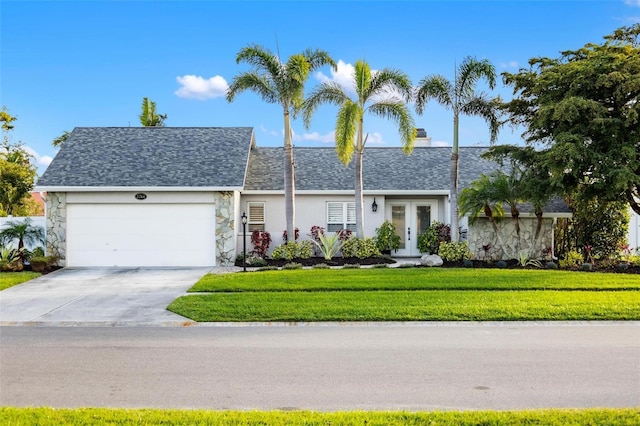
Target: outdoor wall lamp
pixel 374 206
pixel 244 241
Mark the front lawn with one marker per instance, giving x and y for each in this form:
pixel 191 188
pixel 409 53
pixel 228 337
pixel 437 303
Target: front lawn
pixel 9 279
pixel 110 416
pixel 412 295
pixel 415 279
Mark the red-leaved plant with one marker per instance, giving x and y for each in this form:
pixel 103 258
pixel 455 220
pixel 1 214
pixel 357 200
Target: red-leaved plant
pixel 261 241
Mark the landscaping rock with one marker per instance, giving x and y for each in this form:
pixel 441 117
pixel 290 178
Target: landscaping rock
pixel 431 260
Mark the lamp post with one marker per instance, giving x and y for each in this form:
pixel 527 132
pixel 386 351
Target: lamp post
pixel 244 242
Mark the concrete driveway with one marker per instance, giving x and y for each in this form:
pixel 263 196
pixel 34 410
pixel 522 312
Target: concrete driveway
pixel 98 296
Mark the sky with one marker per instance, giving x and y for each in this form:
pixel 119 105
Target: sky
pixel 67 64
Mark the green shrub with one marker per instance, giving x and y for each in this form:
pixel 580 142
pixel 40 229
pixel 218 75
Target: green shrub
pixel 454 252
pixel 292 265
pixel 386 237
pixel 573 258
pixel 586 267
pixel 321 266
pixel 360 248
pixel 429 241
pixel 293 250
pixel 42 263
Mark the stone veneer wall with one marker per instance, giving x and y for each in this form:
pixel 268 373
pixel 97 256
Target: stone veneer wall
pixel 56 208
pixel 481 233
pixel 225 229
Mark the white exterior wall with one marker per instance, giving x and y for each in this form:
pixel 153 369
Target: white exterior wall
pixel 634 230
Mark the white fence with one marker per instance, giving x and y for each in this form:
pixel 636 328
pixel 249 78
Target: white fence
pixel 35 221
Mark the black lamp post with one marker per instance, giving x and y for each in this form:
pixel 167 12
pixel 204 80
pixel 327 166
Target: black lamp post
pixel 244 242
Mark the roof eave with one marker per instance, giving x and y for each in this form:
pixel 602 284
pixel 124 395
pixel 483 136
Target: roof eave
pixel 45 188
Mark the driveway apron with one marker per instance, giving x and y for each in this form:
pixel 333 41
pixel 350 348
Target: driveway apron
pixel 104 296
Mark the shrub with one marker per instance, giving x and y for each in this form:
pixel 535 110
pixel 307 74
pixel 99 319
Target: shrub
pixel 344 234
pixel 586 267
pixel 292 265
pixel 285 237
pixel 572 259
pixel 360 248
pixel 429 241
pixel 321 266
pixel 328 245
pixel 351 266
pixel 386 237
pixel 454 252
pixel 293 250
pixel 261 241
pixel 42 263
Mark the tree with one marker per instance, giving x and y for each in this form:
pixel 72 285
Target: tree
pixel 149 117
pixel 281 83
pixel 461 97
pixel 57 142
pixel 381 93
pixel 582 110
pixel 24 231
pixel 17 174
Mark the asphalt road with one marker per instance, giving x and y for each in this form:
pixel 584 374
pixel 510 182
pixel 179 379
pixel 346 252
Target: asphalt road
pixel 328 367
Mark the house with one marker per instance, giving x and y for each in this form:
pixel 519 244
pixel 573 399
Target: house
pixel 161 196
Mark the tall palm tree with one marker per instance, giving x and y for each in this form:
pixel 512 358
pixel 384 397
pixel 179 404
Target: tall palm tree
pixel 282 83
pixel 461 97
pixel 384 94
pixel 148 116
pixel 507 189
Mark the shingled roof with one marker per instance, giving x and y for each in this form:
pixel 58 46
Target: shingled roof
pixel 384 169
pixel 212 157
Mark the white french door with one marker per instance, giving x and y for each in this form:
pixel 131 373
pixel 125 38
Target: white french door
pixel 411 218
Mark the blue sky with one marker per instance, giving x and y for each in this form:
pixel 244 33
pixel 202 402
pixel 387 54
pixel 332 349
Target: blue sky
pixel 67 64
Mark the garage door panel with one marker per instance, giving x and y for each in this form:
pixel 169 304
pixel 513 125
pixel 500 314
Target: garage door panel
pixel 141 235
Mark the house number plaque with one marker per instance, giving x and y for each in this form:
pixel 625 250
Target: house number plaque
pixel 141 196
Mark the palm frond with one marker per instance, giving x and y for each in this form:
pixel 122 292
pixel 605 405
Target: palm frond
pixel 328 92
pixel 398 112
pixel 434 87
pixel 390 82
pixel 362 76
pixel 260 84
pixel 347 121
pixel 487 109
pixel 470 71
pixel 261 58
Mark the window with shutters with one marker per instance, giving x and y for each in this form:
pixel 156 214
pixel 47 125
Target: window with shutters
pixel 255 219
pixel 341 215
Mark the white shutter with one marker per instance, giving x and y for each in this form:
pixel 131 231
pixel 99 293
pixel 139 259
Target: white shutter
pixel 256 212
pixel 351 212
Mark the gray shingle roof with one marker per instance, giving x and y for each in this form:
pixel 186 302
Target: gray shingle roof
pixel 151 157
pixel 384 169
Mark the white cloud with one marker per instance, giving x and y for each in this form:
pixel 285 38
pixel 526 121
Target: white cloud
pixel 196 87
pixel 440 143
pixel 632 2
pixel 343 75
pixel 510 64
pixel 316 137
pixel 41 160
pixel 374 138
pixel 269 132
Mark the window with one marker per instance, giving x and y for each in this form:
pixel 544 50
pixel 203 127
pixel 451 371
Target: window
pixel 255 219
pixel 341 215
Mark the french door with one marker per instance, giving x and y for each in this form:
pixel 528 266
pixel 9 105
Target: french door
pixel 411 218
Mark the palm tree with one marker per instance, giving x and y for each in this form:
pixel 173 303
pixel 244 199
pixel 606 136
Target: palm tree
pixel 57 142
pixel 479 197
pixel 281 83
pixel 507 189
pixel 384 94
pixel 149 117
pixel 461 97
pixel 25 232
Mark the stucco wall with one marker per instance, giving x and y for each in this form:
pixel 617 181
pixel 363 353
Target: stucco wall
pixel 482 233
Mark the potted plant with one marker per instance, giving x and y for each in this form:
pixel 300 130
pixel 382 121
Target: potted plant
pixel 387 238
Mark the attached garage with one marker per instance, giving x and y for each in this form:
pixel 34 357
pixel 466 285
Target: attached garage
pixel 141 234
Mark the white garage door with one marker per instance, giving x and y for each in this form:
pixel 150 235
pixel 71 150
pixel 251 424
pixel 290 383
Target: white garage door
pixel 140 235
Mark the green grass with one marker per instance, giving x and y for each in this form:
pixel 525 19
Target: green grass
pixel 107 416
pixel 419 305
pixel 415 279
pixel 9 279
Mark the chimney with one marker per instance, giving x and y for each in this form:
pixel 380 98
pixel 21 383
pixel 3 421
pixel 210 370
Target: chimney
pixel 422 140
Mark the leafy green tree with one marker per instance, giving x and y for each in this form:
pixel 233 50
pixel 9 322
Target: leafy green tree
pixel 17 174
pixel 381 93
pixel 57 142
pixel 148 116
pixel 461 97
pixel 281 83
pixel 582 110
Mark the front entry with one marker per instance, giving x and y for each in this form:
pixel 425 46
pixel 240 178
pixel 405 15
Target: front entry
pixel 411 218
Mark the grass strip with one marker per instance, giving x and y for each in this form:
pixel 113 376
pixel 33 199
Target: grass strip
pixel 415 279
pixel 9 279
pixel 423 305
pixel 109 416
